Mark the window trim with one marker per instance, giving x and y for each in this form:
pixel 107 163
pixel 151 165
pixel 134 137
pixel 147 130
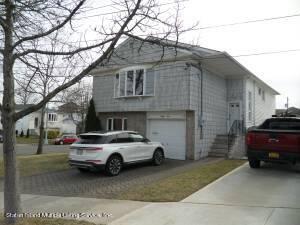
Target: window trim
pixel 112 122
pixel 124 72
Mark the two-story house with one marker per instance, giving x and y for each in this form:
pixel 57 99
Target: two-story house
pixel 55 119
pixel 184 98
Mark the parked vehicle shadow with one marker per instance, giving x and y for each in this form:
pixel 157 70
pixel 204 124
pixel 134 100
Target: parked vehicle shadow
pixel 284 167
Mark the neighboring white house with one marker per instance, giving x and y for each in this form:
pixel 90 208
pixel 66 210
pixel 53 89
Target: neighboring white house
pixel 188 99
pixel 54 120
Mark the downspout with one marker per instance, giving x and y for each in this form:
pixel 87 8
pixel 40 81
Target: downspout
pixel 201 102
pixel 200 95
pixel 254 103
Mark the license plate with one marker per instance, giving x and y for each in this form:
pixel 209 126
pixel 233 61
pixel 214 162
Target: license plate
pixel 274 155
pixel 79 152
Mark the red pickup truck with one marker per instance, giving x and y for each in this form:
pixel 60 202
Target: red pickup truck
pixel 276 140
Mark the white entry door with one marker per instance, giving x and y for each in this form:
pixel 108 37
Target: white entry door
pixel 234 113
pixel 171 133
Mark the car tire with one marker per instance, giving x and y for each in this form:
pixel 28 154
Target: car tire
pixel 158 157
pixel 254 163
pixel 61 142
pixel 113 165
pixel 83 170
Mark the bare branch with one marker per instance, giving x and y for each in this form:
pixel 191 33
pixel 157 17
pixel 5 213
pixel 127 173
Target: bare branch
pixel 84 72
pixel 55 28
pixel 70 53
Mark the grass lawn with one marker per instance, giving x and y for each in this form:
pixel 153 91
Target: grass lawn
pixel 178 187
pixel 30 140
pixel 37 164
pixel 35 221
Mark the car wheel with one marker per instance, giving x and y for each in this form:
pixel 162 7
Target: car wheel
pixel 254 163
pixel 158 157
pixel 113 165
pixel 61 142
pixel 83 170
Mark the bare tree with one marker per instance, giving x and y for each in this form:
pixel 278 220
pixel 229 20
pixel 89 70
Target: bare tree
pixel 42 77
pixel 27 28
pixel 76 102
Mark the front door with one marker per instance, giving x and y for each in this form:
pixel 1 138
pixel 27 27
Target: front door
pixel 234 113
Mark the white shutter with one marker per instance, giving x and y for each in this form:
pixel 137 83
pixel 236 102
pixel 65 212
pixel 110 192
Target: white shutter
pixel 122 77
pixel 150 78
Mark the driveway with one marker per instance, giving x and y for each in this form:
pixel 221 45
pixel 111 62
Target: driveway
pixel 267 196
pixel 72 183
pixel 30 149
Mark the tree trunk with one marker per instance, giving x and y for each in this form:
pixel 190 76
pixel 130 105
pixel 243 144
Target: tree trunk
pixel 11 178
pixel 42 133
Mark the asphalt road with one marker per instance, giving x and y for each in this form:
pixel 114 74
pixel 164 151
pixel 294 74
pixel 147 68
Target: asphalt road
pixel 30 149
pixel 266 196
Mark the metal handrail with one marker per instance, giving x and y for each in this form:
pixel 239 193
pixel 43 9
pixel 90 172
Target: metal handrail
pixel 236 128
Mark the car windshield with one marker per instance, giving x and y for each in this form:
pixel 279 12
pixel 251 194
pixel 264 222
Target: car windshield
pixel 91 139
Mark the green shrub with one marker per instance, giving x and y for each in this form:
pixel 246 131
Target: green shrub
pixel 53 134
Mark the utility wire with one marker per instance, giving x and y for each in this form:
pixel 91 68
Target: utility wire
pixel 249 21
pixel 203 28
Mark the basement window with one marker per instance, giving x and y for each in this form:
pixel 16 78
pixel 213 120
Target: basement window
pixel 116 124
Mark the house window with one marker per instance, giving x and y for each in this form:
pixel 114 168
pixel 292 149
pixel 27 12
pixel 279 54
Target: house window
pixel 259 91
pixel 263 96
pixel 250 106
pixel 135 82
pixel 52 117
pixel 116 124
pixel 36 122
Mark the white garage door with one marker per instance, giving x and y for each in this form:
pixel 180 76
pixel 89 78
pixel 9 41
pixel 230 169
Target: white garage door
pixel 171 133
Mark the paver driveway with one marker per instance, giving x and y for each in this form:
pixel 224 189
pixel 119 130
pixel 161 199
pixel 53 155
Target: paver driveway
pixel 267 196
pixel 97 184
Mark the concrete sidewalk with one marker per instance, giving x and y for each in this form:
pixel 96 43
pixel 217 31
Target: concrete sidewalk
pixel 101 211
pixel 268 196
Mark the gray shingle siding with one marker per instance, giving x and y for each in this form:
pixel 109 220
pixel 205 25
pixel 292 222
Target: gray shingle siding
pixel 171 92
pixel 135 53
pixel 214 111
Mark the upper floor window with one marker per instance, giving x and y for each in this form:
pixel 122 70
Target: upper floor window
pixel 134 82
pixel 259 91
pixel 36 122
pixel 263 95
pixel 52 117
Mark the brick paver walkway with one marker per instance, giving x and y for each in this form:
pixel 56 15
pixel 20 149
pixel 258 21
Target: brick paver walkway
pixel 97 184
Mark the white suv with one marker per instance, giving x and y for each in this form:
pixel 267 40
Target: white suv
pixel 112 150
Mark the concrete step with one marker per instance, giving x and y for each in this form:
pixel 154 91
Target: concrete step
pixel 217 145
pixel 219 152
pixel 221 138
pixel 219 149
pixel 220 141
pixel 216 154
